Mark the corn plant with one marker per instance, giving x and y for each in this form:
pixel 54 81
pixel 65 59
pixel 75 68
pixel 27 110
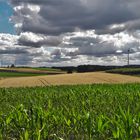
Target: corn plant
pixel 83 112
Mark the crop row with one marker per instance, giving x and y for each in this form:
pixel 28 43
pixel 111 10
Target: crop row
pixel 85 112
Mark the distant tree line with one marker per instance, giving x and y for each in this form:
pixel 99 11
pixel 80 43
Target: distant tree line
pixel 68 69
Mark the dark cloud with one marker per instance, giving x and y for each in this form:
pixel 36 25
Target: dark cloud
pixel 72 32
pixel 13 51
pixel 60 16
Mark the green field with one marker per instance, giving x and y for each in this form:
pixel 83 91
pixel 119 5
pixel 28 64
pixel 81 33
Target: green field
pixel 25 72
pixel 83 112
pixel 46 69
pixel 19 74
pixel 128 71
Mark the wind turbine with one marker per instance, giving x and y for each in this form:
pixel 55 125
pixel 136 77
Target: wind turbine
pixel 128 57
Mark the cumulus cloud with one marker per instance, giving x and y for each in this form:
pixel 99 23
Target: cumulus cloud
pixel 83 47
pixel 11 51
pixel 38 40
pixel 89 43
pixel 73 32
pixel 61 16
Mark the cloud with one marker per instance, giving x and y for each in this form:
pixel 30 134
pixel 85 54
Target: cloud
pixel 38 40
pixel 89 43
pixel 53 17
pixel 9 45
pixel 81 47
pixel 73 32
pixel 11 51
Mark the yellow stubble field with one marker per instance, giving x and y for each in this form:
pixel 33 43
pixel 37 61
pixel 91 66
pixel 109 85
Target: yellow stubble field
pixel 68 79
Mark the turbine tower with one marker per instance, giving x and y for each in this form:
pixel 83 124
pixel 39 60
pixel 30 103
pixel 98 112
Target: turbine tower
pixel 128 61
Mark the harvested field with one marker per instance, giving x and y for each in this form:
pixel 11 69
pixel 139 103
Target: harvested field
pixel 32 70
pixel 68 79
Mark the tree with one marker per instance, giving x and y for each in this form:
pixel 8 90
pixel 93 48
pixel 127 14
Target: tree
pixel 12 66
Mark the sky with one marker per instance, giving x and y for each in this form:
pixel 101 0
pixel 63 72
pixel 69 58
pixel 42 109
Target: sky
pixel 69 32
pixel 5 13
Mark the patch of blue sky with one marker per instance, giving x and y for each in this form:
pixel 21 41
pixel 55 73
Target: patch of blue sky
pixel 5 12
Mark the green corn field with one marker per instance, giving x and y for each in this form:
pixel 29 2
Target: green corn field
pixel 81 112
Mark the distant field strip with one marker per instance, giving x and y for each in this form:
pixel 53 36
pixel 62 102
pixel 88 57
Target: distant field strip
pixel 19 74
pixel 68 79
pixel 31 71
pixel 127 71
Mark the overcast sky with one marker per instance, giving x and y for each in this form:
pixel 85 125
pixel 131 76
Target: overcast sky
pixel 69 32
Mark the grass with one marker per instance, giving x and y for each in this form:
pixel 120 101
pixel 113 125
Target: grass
pixel 18 74
pixel 47 69
pixel 87 112
pixel 24 72
pixel 128 71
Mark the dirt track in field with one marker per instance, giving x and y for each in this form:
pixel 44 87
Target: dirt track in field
pixel 68 79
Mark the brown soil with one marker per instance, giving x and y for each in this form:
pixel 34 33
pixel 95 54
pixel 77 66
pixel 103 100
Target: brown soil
pixel 68 79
